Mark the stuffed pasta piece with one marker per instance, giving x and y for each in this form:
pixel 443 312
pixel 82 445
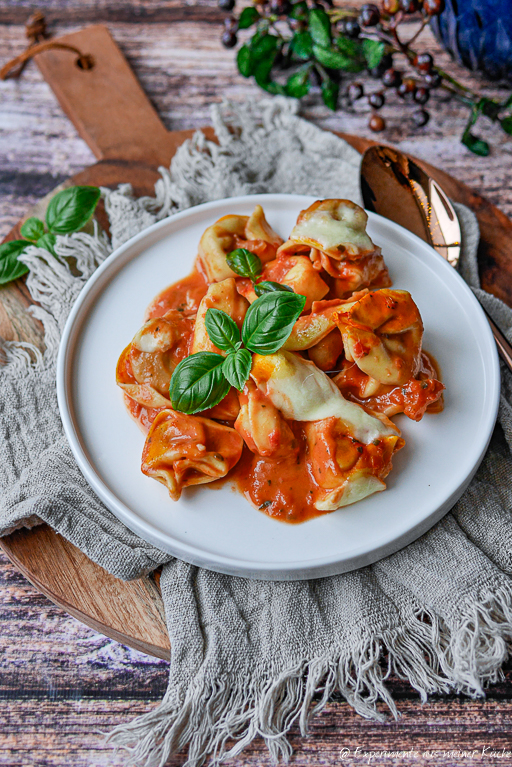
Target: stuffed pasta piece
pixel 348 451
pixel 308 429
pixel 332 234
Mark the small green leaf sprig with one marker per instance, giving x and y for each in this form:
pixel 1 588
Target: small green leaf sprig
pixel 202 380
pixel 67 212
pixel 300 44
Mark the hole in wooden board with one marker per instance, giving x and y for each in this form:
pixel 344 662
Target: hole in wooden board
pixel 85 62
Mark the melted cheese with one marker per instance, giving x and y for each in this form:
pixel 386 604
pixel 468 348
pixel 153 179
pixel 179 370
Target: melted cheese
pixel 302 392
pixel 332 228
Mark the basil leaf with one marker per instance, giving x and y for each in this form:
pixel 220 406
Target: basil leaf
pixel 237 367
pixel 475 144
pixel 47 241
pixel 248 17
pixel 373 51
pixel 223 330
pixel 71 209
pixel 333 59
pixel 267 286
pixel 320 27
pixel 244 263
pixel 330 91
pixel 298 84
pixel 506 124
pixel 10 267
pixel 302 45
pixel 198 383
pixel 32 229
pixel 245 61
pixel 269 321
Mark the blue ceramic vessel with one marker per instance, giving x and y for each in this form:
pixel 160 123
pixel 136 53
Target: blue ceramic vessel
pixel 478 33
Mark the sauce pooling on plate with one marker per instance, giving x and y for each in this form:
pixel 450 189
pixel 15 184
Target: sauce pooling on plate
pixel 310 431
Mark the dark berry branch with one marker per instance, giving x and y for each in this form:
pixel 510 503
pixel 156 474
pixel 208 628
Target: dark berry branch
pixel 317 45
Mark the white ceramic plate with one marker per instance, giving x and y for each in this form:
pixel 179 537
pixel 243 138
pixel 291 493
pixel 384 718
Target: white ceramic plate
pixel 219 529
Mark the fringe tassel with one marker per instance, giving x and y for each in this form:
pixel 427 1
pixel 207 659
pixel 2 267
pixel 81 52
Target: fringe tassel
pixel 424 651
pixel 54 286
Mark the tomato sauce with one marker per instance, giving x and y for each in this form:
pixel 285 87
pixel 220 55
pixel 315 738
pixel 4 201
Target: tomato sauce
pixel 284 489
pixel 184 296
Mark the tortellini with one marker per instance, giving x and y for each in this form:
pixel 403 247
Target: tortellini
pixel 310 432
pixel 231 232
pixel 183 450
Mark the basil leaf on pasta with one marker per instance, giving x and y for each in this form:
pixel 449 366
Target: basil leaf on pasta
pixel 244 263
pixel 267 286
pixel 198 383
pixel 71 209
pixel 223 330
pixel 10 267
pixel 270 319
pixel 237 367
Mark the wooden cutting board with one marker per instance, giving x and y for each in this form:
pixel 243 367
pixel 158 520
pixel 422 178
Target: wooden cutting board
pixel 113 115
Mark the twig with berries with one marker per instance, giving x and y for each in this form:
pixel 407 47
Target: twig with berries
pixel 297 45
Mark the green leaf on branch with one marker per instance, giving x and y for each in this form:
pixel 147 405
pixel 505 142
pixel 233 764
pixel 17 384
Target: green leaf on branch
pixel 32 229
pixel 262 45
pixel 47 241
pixel 71 209
pixel 10 267
pixel 330 90
pixel 298 84
pixel 222 330
pixel 237 367
pixel 506 124
pixel 351 48
pixel 373 51
pixel 301 45
pixel 244 263
pixel 269 321
pixel 299 10
pixel 198 383
pixel 245 61
pixel 248 17
pixel 475 144
pixel 333 59
pixel 320 27
pixel 267 286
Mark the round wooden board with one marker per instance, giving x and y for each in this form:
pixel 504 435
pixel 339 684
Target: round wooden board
pixel 133 612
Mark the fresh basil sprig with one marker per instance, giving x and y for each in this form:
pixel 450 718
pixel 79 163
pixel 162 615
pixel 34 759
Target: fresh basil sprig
pixel 198 383
pixel 237 367
pixel 223 330
pixel 244 263
pixel 267 286
pixel 247 264
pixel 67 212
pixel 202 380
pixel 269 321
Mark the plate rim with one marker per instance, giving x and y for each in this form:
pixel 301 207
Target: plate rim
pixel 301 569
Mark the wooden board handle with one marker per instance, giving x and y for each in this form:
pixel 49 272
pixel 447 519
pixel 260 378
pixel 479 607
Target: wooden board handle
pixel 106 103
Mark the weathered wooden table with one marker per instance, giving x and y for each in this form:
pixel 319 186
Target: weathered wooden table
pixel 60 682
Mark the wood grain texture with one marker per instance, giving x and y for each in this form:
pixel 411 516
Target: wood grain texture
pixel 62 685
pixel 61 682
